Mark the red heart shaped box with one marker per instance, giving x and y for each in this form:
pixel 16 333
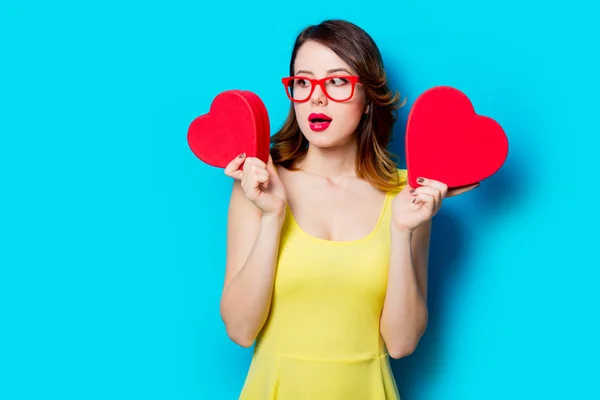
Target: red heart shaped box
pixel 236 123
pixel 448 142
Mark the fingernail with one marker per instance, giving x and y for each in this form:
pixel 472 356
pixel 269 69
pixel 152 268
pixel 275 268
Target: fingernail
pixel 412 190
pixel 420 180
pixel 413 201
pixel 242 155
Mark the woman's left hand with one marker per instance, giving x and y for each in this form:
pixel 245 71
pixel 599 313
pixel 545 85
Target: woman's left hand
pixel 413 206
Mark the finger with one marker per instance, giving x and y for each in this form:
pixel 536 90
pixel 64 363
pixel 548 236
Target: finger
pixel 255 161
pixel 273 174
pixel 271 165
pixel 255 173
pixel 461 190
pixel 256 169
pixel 252 167
pixel 255 176
pixel 424 200
pixel 253 183
pixel 261 177
pixel 250 161
pixel 233 168
pixel 434 192
pixel 442 187
pixel 426 190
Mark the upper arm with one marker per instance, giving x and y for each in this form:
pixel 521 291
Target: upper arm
pixel 420 254
pixel 243 225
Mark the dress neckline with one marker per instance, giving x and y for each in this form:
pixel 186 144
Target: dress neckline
pixel 342 242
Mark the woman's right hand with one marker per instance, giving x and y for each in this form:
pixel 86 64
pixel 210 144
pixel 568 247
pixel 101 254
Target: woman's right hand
pixel 260 183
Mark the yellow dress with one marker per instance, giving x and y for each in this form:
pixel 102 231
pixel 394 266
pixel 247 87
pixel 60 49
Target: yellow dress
pixel 322 339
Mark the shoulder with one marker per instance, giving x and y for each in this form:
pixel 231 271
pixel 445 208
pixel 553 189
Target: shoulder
pixel 401 182
pixel 403 175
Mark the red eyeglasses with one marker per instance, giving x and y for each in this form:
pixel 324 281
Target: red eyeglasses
pixel 337 88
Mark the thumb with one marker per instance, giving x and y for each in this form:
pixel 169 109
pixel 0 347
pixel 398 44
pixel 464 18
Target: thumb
pixel 271 166
pixel 272 170
pixel 233 168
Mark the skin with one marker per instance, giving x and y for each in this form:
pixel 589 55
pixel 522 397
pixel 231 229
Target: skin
pixel 329 202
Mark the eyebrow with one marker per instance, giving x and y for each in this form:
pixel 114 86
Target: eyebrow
pixel 331 71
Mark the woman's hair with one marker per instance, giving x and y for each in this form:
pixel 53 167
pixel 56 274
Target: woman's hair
pixel 356 47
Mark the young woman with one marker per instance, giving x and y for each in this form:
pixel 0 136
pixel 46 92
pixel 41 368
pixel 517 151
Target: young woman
pixel 328 246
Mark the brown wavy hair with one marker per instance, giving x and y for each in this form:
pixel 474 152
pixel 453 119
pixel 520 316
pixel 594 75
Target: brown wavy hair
pixel 375 163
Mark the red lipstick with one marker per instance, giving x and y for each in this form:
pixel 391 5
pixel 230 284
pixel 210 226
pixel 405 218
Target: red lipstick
pixel 319 122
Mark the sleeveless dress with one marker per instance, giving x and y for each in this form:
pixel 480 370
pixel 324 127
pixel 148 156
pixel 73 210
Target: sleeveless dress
pixel 321 340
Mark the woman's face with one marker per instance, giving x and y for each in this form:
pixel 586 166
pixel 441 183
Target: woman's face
pixel 317 61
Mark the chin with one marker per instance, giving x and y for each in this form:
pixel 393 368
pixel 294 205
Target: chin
pixel 327 141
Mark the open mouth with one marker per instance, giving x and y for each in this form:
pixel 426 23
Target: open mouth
pixel 318 118
pixel 319 122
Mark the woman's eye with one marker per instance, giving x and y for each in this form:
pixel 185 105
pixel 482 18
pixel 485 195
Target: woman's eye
pixel 338 81
pixel 301 82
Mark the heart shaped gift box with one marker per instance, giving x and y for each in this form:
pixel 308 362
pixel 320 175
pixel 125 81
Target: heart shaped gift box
pixel 448 142
pixel 236 123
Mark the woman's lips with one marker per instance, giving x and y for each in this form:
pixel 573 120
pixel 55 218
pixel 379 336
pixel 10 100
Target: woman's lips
pixel 318 122
pixel 319 126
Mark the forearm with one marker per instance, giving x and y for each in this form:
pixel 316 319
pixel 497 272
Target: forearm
pixel 404 316
pixel 247 299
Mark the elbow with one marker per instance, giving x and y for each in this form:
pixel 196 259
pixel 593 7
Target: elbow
pixel 405 347
pixel 236 331
pixel 238 334
pixel 402 347
pixel 240 338
pixel 402 350
pixel 244 341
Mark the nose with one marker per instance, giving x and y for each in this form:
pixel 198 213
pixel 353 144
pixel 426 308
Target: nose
pixel 318 97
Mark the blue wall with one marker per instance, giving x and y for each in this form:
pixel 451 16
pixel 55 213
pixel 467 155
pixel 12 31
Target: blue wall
pixel 113 233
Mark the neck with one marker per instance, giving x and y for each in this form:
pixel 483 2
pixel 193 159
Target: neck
pixel 332 163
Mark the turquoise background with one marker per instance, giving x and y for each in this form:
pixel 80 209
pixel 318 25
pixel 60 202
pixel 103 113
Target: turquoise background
pixel 113 233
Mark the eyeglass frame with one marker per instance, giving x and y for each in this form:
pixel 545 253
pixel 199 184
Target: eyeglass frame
pixel 319 82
